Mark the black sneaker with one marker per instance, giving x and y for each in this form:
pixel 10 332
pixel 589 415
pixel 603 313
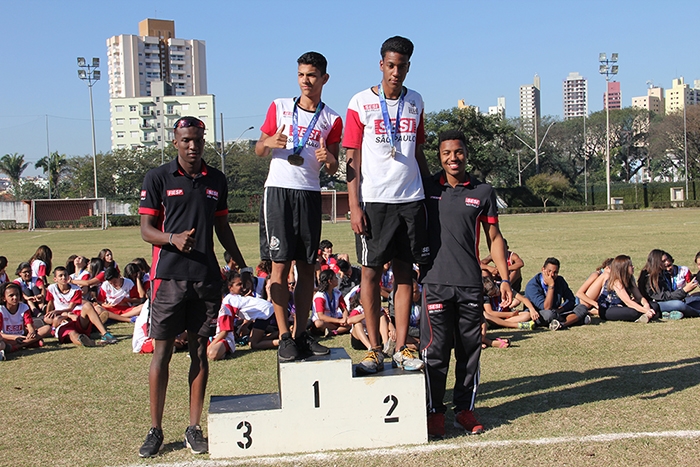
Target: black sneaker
pixel 153 443
pixel 288 351
pixel 194 439
pixel 307 345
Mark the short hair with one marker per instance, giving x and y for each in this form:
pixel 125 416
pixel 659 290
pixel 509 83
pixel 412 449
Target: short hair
pixel 3 262
pixel 449 135
pixel 23 265
pixel 9 285
pixel 397 44
pixel 314 59
pixel 111 273
pixel 343 265
pixel 59 269
pixel 552 261
pixel 325 244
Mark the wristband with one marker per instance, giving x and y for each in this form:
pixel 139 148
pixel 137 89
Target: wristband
pixel 170 240
pixel 506 281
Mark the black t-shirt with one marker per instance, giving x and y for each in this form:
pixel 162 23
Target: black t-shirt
pixel 348 282
pixel 182 203
pixel 454 218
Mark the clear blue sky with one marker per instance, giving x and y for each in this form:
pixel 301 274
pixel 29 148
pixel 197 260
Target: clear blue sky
pixel 472 50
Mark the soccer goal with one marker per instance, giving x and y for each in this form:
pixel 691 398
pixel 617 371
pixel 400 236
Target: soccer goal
pixel 69 213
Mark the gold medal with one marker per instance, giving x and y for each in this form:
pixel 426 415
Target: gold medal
pixel 393 152
pixel 295 159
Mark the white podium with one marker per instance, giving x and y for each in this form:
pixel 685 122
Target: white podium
pixel 321 406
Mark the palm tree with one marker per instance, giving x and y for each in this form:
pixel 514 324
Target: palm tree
pixel 53 166
pixel 13 165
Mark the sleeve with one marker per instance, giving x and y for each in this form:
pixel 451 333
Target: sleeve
pixel 225 323
pixel 42 269
pixel 269 126
pixel 319 305
pixel 151 195
pixel 420 132
pixel 39 283
pixel 336 132
pixel 100 276
pixel 26 317
pixel 354 128
pixel 490 213
pixel 134 291
pixel 534 292
pixel 77 297
pixel 101 294
pixel 568 298
pixel 222 203
pixel 49 296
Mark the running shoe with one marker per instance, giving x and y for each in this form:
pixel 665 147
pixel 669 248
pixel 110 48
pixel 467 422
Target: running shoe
pixel 108 338
pixel 372 363
pixel 587 319
pixel 466 419
pixel 644 319
pixel 405 359
pixel 288 351
pixel 85 341
pixel 308 346
pixel 436 425
pixel 194 439
pixel 554 325
pixel 528 326
pixel 2 355
pixel 153 443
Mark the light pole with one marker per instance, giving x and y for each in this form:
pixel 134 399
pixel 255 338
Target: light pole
pixel 608 68
pixel 536 149
pixel 90 74
pixel 685 143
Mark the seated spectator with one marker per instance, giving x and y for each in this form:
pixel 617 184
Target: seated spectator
pixel 119 296
pixel 589 291
pixel 657 286
pixel 72 320
pixel 358 333
pixel 679 275
pixel 507 317
pixel 3 272
pixel 553 299
pixel 386 282
pixel 329 315
pixel 108 259
pixel 229 264
pixel 325 253
pixel 16 324
pixel 251 309
pixel 141 342
pixel 515 264
pixel 350 276
pixel 33 288
pixel 264 269
pixel 97 277
pixel 145 268
pixel 135 274
pixel 41 263
pixel 620 299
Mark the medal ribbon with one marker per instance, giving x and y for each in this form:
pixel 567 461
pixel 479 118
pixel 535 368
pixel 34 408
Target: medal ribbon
pixel 385 114
pixel 331 302
pixel 298 146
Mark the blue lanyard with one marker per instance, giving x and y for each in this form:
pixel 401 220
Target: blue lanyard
pixel 331 302
pixel 390 130
pixel 298 146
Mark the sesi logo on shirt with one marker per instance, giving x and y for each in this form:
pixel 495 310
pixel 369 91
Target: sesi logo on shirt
pixel 143 195
pixel 212 194
pixel 176 192
pixel 474 202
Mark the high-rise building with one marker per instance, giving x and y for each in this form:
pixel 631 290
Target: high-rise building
pixel 156 55
pixel 681 95
pixel 154 78
pixel 499 109
pixel 653 101
pixel 613 98
pixel 530 104
pixel 575 94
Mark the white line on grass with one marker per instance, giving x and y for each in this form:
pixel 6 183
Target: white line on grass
pixel 425 448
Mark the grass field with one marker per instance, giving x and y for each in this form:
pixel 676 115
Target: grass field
pixel 553 398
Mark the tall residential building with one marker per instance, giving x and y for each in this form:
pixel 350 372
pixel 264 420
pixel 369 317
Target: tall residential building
pixel 613 98
pixel 148 121
pixel 156 55
pixel 681 95
pixel 499 109
pixel 530 104
pixel 653 101
pixel 575 94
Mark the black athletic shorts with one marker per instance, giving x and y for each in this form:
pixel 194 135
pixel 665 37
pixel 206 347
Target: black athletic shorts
pixel 290 225
pixel 179 306
pixel 393 231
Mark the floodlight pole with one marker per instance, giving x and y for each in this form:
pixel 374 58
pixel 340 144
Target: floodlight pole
pixel 685 144
pixel 608 67
pixel 91 75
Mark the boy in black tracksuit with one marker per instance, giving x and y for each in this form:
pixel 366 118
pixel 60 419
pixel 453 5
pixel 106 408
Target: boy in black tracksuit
pixel 452 289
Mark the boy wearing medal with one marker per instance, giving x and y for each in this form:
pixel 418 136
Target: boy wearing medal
pixel 384 136
pixel 301 135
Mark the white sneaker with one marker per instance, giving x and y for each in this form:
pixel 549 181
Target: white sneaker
pixel 405 359
pixel 554 325
pixel 587 319
pixel 2 355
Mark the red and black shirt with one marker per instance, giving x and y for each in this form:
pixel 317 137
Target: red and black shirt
pixel 454 219
pixel 181 203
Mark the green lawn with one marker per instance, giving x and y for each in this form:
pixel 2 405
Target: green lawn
pixel 76 406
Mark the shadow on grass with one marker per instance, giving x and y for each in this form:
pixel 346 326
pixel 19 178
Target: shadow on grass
pixel 530 395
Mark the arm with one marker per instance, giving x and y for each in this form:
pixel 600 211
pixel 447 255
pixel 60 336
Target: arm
pixel 267 143
pixel 535 293
pixel 354 167
pixel 497 247
pixel 569 301
pixel 328 155
pixel 151 234
pixel 422 162
pixel 628 301
pixel 534 315
pixel 228 240
pixel 581 292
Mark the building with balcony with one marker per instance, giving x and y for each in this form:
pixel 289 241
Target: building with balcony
pixel 612 99
pixel 575 96
pixel 681 94
pixel 530 104
pixel 654 101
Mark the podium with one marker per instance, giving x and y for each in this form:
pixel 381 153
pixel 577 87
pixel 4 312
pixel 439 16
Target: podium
pixel 321 405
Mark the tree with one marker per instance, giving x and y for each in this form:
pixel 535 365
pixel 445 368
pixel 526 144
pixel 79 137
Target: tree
pixel 54 166
pixel 548 185
pixel 666 143
pixel 13 165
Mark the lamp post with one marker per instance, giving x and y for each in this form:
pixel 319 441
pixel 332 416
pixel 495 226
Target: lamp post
pixel 90 74
pixel 685 143
pixel 536 150
pixel 608 68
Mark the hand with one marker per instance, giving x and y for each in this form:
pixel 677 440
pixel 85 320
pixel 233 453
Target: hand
pixel 534 315
pixel 184 241
pixel 322 154
pixel 276 141
pixel 392 333
pixel 358 222
pixel 691 285
pixel 548 279
pixel 506 294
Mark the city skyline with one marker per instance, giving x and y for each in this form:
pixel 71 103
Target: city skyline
pixel 459 55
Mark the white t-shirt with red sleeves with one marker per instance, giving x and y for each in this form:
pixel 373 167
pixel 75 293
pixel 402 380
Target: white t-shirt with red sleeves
pixel 328 303
pixel 14 323
pixel 83 275
pixel 386 179
pixel 249 308
pixel 304 177
pixel 140 342
pixel 115 297
pixel 38 268
pixel 65 301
